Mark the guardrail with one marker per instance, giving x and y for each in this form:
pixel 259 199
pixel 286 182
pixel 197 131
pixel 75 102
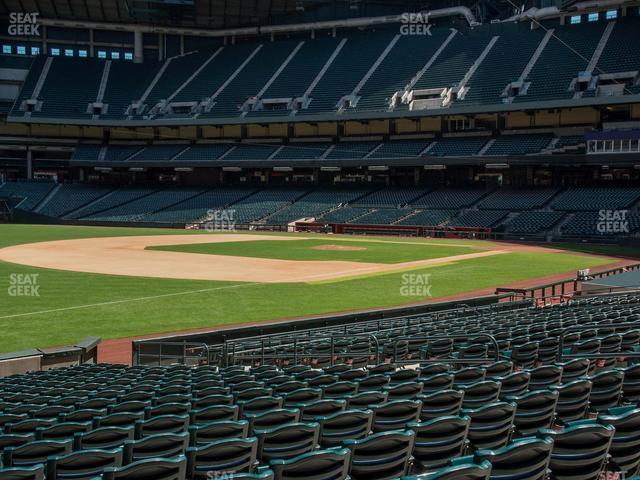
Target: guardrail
pixel 454 360
pixel 559 288
pixel 576 328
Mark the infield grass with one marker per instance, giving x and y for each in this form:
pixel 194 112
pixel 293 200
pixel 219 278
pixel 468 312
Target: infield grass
pixel 72 305
pixel 372 251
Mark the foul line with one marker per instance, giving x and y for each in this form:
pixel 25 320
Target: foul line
pixel 115 302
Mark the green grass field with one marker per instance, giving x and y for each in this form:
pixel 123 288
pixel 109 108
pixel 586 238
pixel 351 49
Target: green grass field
pixel 72 305
pixel 374 251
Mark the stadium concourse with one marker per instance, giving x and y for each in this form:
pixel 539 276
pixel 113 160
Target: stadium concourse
pixel 503 139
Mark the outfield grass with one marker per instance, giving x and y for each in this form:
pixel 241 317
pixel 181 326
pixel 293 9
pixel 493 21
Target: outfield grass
pixel 373 251
pixel 71 305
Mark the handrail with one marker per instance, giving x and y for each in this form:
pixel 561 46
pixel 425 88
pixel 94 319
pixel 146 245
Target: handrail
pixel 230 357
pixel 576 328
pixel 427 338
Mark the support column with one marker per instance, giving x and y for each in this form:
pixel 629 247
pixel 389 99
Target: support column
pixel 138 56
pixel 91 46
pixel 29 163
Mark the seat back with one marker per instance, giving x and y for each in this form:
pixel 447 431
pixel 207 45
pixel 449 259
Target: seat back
pixel 273 418
pixel 579 451
pixel 524 459
pixel 103 438
pixel 439 404
pixel 287 441
pixel 625 447
pixel 606 389
pixel 36 452
pixel 439 440
pixel 480 393
pixel 156 468
pixel 395 415
pixel 164 445
pixel 35 472
pixel 491 425
pixel 83 464
pixel 573 400
pixel 227 455
pixel 213 414
pixel 460 471
pixel 319 465
pixel 382 456
pixel 534 410
pixel 350 424
pixel 162 424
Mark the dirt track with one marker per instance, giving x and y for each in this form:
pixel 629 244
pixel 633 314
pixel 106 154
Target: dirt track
pixel 127 256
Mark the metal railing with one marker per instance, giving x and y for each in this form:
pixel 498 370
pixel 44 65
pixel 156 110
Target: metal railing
pixel 167 353
pixel 577 328
pixel 301 349
pixel 453 360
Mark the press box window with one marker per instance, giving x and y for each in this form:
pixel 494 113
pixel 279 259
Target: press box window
pixel 82 53
pixel 35 50
pixel 6 48
pixel 21 50
pixel 115 55
pixel 55 52
pixel 576 19
pixel 128 56
pixel 102 54
pixel 594 17
pixel 612 14
pixel 68 52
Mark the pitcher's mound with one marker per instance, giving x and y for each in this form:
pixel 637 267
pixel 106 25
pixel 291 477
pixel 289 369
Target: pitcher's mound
pixel 338 248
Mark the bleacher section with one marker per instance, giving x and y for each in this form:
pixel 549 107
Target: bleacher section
pixel 118 197
pixel 391 197
pixel 592 224
pixel 70 197
pixel 449 198
pixel 315 204
pixel 323 408
pixel 241 71
pixel 533 222
pixel 428 218
pixel 457 146
pixel 517 199
pixel 518 144
pixel 478 218
pixel 512 211
pixel 383 216
pixel 596 198
pixel 262 204
pixel 199 207
pixel 70 87
pixel 137 210
pixel 28 194
pixel 390 150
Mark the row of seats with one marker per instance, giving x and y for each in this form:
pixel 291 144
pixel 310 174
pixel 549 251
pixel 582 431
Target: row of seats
pixel 448 146
pixel 517 416
pixel 515 211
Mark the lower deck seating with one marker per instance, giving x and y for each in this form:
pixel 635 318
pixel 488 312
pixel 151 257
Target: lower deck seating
pixel 323 409
pixel 594 224
pixel 27 195
pixel 478 218
pixel 533 222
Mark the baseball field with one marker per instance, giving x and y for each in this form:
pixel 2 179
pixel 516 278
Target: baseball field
pixel 59 284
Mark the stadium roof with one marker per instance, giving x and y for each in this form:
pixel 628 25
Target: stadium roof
pixel 225 13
